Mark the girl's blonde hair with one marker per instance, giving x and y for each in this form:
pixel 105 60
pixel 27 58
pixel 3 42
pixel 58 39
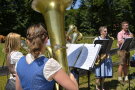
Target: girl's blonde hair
pixel 36 34
pixel 12 42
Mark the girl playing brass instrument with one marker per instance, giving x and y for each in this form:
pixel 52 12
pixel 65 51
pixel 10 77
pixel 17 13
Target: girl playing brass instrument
pixel 35 71
pixel 106 64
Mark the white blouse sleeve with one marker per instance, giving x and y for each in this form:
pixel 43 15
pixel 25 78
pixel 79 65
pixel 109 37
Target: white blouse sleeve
pixel 50 68
pixel 15 56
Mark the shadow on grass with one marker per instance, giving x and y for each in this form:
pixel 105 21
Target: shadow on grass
pixel 109 85
pixel 91 87
pixel 132 88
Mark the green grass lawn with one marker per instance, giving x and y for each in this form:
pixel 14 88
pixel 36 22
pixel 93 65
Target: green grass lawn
pixel 3 79
pixel 110 83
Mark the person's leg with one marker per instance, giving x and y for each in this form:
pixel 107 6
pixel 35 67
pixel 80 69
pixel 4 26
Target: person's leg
pixel 97 84
pixel 126 66
pixel 102 84
pixel 120 69
pixel 122 55
pixel 126 72
pixel 98 76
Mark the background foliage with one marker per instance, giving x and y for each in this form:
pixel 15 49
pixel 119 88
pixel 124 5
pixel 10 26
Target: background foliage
pixel 17 15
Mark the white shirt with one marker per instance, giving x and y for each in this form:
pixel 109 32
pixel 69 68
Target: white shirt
pixel 14 58
pixel 99 38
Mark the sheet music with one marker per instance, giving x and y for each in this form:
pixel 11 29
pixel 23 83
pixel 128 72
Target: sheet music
pixel 88 56
pixel 82 55
pixel 73 52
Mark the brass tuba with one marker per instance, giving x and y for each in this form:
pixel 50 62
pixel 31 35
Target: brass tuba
pixel 53 12
pixel 70 30
pixel 100 58
pixel 49 52
pixel 73 34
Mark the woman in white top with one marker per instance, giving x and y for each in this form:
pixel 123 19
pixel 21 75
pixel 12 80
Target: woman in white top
pixel 106 65
pixel 12 46
pixel 35 71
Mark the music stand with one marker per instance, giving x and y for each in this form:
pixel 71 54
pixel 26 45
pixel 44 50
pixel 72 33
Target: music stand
pixel 105 48
pixel 126 44
pixel 106 45
pixel 109 46
pixel 132 44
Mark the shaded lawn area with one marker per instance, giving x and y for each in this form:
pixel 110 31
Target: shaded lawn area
pixel 110 83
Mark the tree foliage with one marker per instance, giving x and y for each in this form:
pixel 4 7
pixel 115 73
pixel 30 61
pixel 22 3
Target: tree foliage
pixel 17 15
pixel 94 13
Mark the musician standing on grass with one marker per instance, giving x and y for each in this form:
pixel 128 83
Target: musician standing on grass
pixel 106 64
pixel 35 71
pixel 124 56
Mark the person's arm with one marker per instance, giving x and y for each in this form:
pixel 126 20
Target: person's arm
pixel 68 82
pixel 14 58
pixel 120 38
pixel 131 35
pixel 18 85
pixel 11 68
pixel 53 70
